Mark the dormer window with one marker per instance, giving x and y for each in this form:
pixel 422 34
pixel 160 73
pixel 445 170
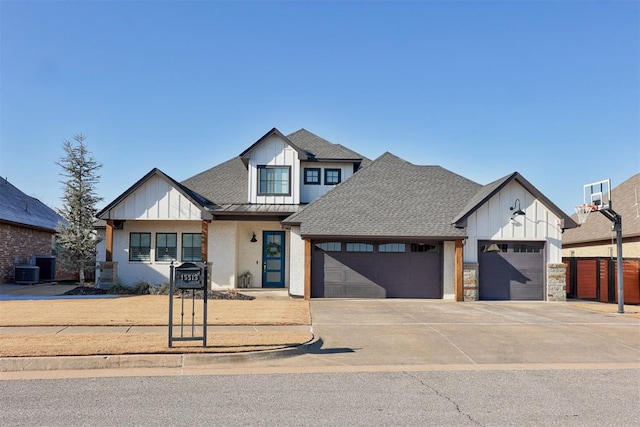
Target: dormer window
pixel 274 180
pixel 312 176
pixel 332 176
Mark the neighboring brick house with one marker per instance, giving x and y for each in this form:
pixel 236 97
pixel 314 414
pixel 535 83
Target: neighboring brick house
pixel 27 228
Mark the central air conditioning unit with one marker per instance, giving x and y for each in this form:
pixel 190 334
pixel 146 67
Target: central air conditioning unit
pixel 47 264
pixel 26 274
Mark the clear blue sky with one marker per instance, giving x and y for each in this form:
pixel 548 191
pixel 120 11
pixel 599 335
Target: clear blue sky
pixel 550 89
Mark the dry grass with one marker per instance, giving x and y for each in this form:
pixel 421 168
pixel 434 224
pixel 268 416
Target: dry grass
pixel 147 310
pixel 150 310
pixel 118 343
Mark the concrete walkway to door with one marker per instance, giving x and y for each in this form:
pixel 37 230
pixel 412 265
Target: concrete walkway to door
pixel 418 332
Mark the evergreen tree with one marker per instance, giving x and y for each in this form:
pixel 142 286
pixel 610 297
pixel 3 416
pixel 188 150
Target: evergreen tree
pixel 78 239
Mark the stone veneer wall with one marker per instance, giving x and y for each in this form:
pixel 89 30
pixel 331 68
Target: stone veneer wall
pixel 470 282
pixel 556 282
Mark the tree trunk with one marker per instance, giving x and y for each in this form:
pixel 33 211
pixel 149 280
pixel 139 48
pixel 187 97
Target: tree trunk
pixel 81 276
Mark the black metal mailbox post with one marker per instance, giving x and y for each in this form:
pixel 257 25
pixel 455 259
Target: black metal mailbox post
pixel 189 276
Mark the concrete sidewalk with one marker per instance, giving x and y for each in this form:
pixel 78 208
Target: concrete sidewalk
pixel 352 333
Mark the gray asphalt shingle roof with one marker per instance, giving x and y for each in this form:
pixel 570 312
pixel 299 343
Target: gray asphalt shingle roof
pixel 227 182
pixel 320 149
pixel 390 198
pixel 222 184
pixel 18 208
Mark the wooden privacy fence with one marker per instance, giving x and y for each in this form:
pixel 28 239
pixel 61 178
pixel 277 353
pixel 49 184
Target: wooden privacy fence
pixel 597 279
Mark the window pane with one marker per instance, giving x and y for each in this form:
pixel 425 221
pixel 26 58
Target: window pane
pixel 312 176
pixel 525 248
pixel 332 176
pixel 273 180
pixel 359 247
pixel 166 247
pixel 330 246
pixel 192 247
pixel 140 247
pixel 273 277
pixel 391 247
pixel 423 247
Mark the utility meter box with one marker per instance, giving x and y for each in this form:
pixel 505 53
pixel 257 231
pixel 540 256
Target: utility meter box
pixel 190 275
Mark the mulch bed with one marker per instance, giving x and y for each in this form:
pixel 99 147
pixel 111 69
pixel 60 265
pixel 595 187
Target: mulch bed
pixel 89 290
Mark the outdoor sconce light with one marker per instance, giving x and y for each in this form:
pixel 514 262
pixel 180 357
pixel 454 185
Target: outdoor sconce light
pixel 253 238
pixel 516 206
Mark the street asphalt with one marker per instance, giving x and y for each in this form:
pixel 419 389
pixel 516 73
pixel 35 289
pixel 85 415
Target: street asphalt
pixel 366 335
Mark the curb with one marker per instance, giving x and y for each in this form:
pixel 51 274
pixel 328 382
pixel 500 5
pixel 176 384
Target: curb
pixel 65 363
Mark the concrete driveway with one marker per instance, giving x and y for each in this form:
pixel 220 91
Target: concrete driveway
pixel 419 332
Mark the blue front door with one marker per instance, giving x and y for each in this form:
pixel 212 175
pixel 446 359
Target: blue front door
pixel 273 259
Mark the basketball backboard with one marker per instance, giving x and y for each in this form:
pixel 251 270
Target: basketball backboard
pixel 598 194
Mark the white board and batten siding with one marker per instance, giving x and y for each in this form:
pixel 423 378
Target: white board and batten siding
pixel 492 221
pixel 308 193
pixel 156 199
pixel 274 151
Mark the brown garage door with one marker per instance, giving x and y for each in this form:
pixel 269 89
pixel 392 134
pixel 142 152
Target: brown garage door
pixel 343 269
pixel 511 270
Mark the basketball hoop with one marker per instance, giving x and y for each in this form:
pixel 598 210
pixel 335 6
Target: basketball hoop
pixel 583 211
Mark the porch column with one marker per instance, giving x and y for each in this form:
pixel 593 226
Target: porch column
pixel 459 275
pixel 307 269
pixel 204 248
pixel 109 241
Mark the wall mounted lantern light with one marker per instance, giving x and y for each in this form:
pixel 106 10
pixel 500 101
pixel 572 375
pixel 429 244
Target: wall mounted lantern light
pixel 253 238
pixel 517 208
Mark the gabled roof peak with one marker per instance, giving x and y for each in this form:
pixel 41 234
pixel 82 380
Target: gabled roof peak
pixel 274 131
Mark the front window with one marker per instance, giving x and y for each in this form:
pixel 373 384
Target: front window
pixel 140 247
pixel 312 176
pixel 274 180
pixel 332 176
pixel 192 247
pixel 166 246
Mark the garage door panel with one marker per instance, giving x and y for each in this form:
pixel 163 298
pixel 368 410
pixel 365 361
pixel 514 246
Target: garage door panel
pixel 375 274
pixel 516 273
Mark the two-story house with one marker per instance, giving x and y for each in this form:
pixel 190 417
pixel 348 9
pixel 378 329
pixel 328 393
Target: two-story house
pixel 302 213
pixel 228 215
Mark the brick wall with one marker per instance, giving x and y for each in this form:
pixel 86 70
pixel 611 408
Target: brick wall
pixel 20 243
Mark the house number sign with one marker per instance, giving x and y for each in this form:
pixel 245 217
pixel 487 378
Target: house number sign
pixel 189 276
